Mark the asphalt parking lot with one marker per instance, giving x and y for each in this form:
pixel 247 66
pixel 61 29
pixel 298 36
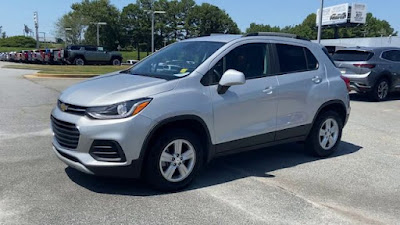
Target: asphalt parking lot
pixel 360 184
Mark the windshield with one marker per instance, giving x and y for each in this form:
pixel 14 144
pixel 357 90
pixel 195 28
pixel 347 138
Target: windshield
pixel 352 55
pixel 177 60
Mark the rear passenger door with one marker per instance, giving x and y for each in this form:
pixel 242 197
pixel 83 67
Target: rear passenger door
pixel 302 82
pixel 91 54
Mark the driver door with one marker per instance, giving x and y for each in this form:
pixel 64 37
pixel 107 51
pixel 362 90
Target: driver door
pixel 245 115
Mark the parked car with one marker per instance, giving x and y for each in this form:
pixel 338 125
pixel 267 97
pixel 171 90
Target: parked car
pixel 58 56
pixel 3 56
pixel 219 95
pixel 372 71
pixel 132 61
pixel 87 54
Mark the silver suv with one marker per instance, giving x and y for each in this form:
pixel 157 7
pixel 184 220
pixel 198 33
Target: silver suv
pixel 198 99
pixel 373 71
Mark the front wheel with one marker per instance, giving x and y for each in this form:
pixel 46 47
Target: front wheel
pixel 325 134
pixel 175 159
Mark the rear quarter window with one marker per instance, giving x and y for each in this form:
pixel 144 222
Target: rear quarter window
pixel 352 55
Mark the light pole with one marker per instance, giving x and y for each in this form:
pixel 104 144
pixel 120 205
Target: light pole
pixel 67 29
pixel 320 22
pixel 152 12
pixel 44 36
pixel 36 21
pixel 98 24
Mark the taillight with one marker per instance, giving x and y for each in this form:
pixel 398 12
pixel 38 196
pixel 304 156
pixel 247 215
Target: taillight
pixel 368 66
pixel 347 82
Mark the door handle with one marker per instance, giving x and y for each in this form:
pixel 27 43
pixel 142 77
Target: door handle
pixel 268 90
pixel 316 79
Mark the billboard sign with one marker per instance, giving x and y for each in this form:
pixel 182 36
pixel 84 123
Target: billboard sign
pixel 358 13
pixel 337 14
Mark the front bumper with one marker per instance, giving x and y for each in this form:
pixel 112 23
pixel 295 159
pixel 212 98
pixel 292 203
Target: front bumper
pixel 130 133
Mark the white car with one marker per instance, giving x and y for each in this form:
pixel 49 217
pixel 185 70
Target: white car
pixel 132 61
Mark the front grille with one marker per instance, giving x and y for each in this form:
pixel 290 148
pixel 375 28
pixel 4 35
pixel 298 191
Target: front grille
pixel 107 151
pixel 66 134
pixel 74 109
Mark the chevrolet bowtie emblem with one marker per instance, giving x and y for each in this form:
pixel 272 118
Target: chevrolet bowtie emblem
pixel 63 107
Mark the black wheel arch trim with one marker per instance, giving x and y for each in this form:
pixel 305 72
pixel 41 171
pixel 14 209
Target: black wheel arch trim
pixel 328 103
pixel 77 57
pixel 210 147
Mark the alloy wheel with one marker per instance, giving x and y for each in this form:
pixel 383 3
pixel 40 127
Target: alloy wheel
pixel 177 160
pixel 328 134
pixel 383 90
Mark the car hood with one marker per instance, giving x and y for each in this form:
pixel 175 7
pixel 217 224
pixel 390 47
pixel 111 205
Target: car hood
pixel 113 88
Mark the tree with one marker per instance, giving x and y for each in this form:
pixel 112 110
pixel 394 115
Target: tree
pixel 308 29
pixel 100 11
pixel 208 19
pixel 3 35
pixel 132 26
pixel 135 26
pixel 74 20
pixel 254 28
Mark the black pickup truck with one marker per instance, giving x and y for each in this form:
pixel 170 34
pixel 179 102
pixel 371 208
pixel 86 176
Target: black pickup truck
pixel 88 54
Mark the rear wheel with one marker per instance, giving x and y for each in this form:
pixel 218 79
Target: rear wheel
pixel 79 61
pixel 174 160
pixel 116 62
pixel 325 135
pixel 380 91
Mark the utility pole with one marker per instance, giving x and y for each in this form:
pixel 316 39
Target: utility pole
pixel 36 20
pixel 98 24
pixel 320 21
pixel 152 13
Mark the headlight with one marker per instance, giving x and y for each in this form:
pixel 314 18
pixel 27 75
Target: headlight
pixel 119 110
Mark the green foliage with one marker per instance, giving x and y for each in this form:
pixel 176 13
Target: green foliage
pixel 69 69
pixel 254 28
pixel 132 26
pixel 373 28
pixel 207 19
pixel 99 11
pixel 18 41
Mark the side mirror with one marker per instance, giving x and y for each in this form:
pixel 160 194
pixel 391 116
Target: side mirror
pixel 230 78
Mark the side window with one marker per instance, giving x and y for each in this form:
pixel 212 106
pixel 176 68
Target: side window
pixel 312 62
pixel 397 56
pixel 291 58
pixel 90 48
pixel 251 59
pixel 393 55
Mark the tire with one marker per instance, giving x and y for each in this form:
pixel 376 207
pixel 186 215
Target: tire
pixel 157 170
pixel 380 91
pixel 315 142
pixel 79 61
pixel 116 62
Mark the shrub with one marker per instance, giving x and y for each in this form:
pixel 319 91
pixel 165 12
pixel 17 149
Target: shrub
pixel 18 41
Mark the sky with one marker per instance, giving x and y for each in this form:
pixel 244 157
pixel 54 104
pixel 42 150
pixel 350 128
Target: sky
pixel 15 13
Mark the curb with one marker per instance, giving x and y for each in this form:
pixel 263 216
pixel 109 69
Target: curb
pixel 69 76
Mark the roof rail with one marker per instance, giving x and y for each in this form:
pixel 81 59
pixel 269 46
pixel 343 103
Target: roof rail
pixel 276 34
